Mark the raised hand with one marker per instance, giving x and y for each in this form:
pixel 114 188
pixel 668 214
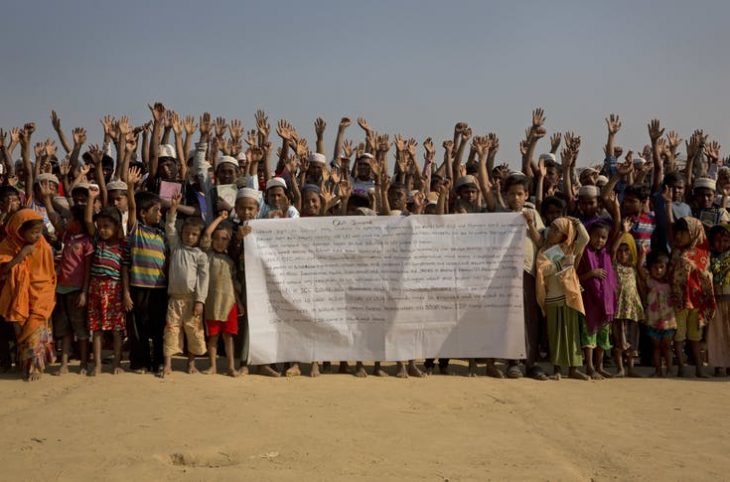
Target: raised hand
pixel 27 132
pixel 712 151
pixel 50 148
pixel 55 121
pixel 158 112
pixel 14 135
pixel 347 149
pixel 673 140
pixel 613 123
pixel 205 124
pixel 430 151
pixel 134 176
pixel 538 118
pixel 251 138
pixel 285 130
pixel 466 133
pixel 130 142
pixel 345 122
pixel 176 123
pixel 364 124
pixel 555 142
pixel 319 126
pixel 383 143
pixel 655 130
pixel 400 143
pixel 95 154
pixel 190 125
pixel 412 146
pixel 262 124
pixel 236 129
pixel 220 127
pixel 79 135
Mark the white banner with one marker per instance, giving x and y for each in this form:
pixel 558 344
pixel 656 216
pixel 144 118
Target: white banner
pixel 385 288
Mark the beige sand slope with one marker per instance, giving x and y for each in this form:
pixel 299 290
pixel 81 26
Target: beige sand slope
pixel 337 427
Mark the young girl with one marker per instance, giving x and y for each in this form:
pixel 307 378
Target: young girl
pixel 28 287
pixel 599 298
pixel 558 294
pixel 718 333
pixel 223 302
pixel 660 319
pixel 629 310
pixel 692 292
pixel 107 282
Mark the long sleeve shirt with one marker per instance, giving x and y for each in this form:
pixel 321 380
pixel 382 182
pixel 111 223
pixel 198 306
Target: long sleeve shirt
pixel 188 275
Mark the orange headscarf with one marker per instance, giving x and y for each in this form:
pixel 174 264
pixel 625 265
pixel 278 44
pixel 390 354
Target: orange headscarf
pixel 28 294
pixel 568 278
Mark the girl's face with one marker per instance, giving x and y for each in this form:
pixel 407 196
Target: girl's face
pixel 220 240
pixel 516 197
pixel 555 237
pixel 599 238
pixel 469 194
pixel 682 239
pixel 721 242
pixel 623 255
pixel 106 228
pixel 10 205
pixel 658 269
pixel 247 209
pixel 32 235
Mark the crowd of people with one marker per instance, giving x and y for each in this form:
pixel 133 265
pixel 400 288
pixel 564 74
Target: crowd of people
pixel 137 244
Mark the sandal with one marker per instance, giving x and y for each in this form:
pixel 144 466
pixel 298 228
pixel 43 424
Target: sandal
pixel 514 372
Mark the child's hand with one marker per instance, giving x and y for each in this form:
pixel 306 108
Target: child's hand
pixel 568 260
pixel 626 225
pixel 223 215
pixel 82 300
pixel 127 302
pixel 198 310
pixel 222 205
pixel 529 217
pixel 175 202
pixel 599 273
pixel 243 231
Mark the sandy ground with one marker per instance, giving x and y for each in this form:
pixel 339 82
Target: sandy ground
pixel 337 427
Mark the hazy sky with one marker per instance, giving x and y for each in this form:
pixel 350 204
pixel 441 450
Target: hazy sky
pixel 414 67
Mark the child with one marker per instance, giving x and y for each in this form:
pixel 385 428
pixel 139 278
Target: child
pixel 629 310
pixel 643 222
pixel 106 284
pixel 558 294
pixel 68 319
pixel 706 210
pixel 187 288
pixel 660 319
pixel 223 301
pixel 147 279
pixel 692 292
pixel 718 333
pixel 599 298
pixel 28 287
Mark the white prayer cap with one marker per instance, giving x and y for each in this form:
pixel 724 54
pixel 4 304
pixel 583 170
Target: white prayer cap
pixel 366 157
pixel 242 156
pixel 81 185
pixel 601 181
pixel 226 160
pixel 46 176
pixel 317 158
pixel 704 182
pixel 248 193
pixel 639 161
pixel 166 150
pixel 117 186
pixel 589 191
pixel 588 170
pixel 517 173
pixel 549 156
pixel 412 195
pixel 432 198
pixel 467 180
pixel 276 182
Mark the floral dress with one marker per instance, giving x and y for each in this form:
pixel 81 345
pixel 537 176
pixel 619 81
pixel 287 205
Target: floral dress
pixel 659 310
pixel 628 301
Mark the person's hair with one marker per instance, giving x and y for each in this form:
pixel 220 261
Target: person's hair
pixel 357 201
pixel 224 226
pixel 655 257
pixel 550 164
pixel 517 180
pixel 28 225
pixel 398 187
pixel 472 168
pixel 551 201
pixel 107 161
pixel 79 189
pixel 195 222
pixel 680 225
pixel 145 200
pixel 600 224
pixel 77 213
pixel 6 192
pixel 640 192
pixel 110 213
pixel 672 178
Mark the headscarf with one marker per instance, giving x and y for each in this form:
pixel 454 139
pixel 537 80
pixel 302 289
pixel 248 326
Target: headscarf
pixel 600 294
pixel 628 240
pixel 568 278
pixel 690 276
pixel 27 296
pixel 720 262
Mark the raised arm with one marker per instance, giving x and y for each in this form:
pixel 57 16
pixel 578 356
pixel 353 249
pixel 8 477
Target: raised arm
pixel 613 123
pixel 61 136
pixel 158 119
pixel 344 124
pixel 133 178
pixel 89 214
pixel 25 138
pixel 655 132
pixel 319 127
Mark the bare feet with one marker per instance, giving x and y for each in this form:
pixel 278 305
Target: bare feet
pixel 314 371
pixel 267 371
pixel 414 371
pixel 96 371
pixel 34 376
pixel 231 372
pixel 595 375
pixel 210 371
pixel 604 373
pixel 577 374
pixel 429 371
pixel 63 370
pixel 192 369
pixel 619 374
pixel 243 371
pixel 293 371
pixel 140 371
pixel 360 371
pixel 402 372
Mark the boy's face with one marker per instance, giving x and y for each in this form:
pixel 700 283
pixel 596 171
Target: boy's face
pixel 311 204
pixel 190 236
pixel 397 199
pixel 315 171
pixel 276 198
pixel 553 175
pixel 631 205
pixel 678 191
pixel 153 215
pixel 226 174
pixel 80 197
pixel 704 197
pixel 469 194
pixel 167 169
pixel 106 228
pixel 10 204
pixel 552 213
pixel 247 209
pixel 516 197
pixel 32 235
pixel 588 205
pixel 119 200
pixel 220 240
pixel 362 170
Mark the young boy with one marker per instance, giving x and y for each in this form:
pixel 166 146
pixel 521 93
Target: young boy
pixel 187 288
pixel 276 198
pixel 147 280
pixel 517 189
pixel 706 210
pixel 117 196
pixel 634 207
